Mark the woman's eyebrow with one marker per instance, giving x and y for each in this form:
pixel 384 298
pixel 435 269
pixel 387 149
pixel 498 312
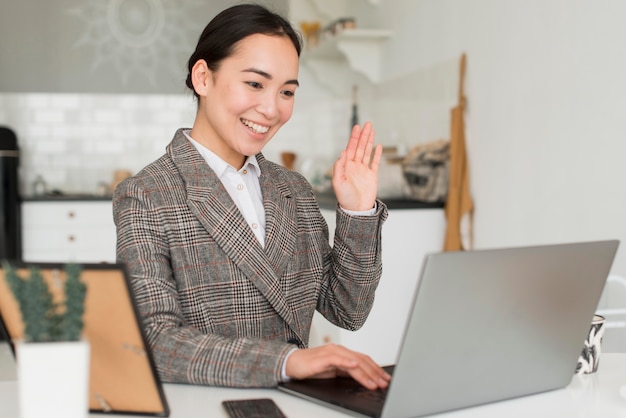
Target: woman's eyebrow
pixel 267 75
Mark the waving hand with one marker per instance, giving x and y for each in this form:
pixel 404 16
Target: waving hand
pixel 355 174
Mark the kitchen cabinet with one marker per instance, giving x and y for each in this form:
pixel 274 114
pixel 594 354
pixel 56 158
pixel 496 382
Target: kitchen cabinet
pixel 407 236
pixel 68 231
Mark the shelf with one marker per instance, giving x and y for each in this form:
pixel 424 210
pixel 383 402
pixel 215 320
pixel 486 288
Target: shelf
pixel 362 48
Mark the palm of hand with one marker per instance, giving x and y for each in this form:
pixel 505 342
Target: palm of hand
pixel 356 187
pixel 355 174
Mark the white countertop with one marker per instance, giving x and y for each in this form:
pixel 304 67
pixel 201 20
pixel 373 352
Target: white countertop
pixel 600 395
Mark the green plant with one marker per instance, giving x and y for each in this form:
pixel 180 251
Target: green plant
pixel 43 319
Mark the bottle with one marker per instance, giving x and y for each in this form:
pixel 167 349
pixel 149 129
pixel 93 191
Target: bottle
pixel 39 186
pixel 354 120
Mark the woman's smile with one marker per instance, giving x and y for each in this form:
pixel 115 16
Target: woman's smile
pixel 255 127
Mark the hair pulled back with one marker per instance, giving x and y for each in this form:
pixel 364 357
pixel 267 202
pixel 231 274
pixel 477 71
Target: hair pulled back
pixel 220 36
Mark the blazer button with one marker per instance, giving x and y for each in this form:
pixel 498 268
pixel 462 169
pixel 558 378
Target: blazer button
pixel 295 341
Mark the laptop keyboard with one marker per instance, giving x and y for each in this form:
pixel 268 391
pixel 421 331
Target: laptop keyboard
pixel 375 396
pixel 370 395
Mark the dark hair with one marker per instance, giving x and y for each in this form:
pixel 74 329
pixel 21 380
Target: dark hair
pixel 219 37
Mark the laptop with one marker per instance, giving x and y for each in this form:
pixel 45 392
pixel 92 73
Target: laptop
pixel 485 326
pixel 123 376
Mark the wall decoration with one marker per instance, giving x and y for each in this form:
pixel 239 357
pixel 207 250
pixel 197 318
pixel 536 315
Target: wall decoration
pixel 135 37
pixel 100 46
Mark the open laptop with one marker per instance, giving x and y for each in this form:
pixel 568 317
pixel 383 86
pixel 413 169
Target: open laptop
pixel 485 326
pixel 123 377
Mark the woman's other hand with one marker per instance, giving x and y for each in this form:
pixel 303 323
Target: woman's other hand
pixel 333 360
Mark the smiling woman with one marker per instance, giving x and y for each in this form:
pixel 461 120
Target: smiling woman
pixel 228 252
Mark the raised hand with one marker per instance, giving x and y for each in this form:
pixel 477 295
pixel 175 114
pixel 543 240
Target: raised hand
pixel 355 173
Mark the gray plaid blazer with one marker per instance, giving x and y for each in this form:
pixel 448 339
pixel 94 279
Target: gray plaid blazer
pixel 217 308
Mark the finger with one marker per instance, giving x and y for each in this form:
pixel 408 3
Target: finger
pixel 362 368
pixel 374 371
pixel 353 142
pixel 369 377
pixel 365 141
pixel 346 365
pixel 377 158
pixel 368 149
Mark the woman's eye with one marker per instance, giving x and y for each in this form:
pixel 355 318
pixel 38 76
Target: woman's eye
pixel 289 93
pixel 254 84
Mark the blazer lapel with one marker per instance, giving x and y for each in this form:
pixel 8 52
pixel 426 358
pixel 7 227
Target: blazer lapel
pixel 280 217
pixel 209 201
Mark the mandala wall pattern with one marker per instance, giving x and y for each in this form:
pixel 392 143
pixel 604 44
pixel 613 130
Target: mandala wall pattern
pixel 136 38
pixel 102 46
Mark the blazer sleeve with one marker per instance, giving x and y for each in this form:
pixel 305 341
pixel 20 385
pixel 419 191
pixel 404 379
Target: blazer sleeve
pixel 354 268
pixel 181 352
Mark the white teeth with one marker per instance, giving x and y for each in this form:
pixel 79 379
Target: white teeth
pixel 255 127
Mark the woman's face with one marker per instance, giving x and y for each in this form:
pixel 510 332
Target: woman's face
pixel 246 101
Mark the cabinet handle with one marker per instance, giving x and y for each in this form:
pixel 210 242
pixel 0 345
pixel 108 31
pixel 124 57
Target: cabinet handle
pixel 71 214
pixel 71 238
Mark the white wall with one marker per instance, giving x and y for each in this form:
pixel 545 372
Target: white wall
pixel 545 132
pixel 545 123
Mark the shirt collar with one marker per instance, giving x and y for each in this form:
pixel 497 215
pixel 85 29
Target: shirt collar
pixel 219 165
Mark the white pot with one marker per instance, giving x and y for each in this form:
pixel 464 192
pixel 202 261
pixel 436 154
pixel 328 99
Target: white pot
pixel 53 379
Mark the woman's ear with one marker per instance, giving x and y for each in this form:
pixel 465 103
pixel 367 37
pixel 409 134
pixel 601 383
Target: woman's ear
pixel 200 77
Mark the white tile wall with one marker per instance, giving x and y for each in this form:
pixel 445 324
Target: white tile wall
pixel 76 141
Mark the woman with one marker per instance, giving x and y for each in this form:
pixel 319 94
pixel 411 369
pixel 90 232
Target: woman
pixel 228 252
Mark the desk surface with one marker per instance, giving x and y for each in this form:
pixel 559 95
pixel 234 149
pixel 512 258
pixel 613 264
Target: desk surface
pixel 597 395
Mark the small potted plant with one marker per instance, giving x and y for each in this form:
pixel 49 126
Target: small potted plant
pixel 52 354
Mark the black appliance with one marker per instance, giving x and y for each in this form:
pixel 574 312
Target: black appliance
pixel 10 202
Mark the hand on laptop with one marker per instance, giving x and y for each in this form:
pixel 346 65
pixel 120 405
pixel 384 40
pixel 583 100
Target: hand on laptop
pixel 333 360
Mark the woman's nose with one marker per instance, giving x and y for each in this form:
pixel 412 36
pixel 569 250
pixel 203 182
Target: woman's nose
pixel 268 106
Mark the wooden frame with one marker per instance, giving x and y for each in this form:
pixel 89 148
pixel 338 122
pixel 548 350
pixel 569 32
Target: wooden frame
pixel 123 377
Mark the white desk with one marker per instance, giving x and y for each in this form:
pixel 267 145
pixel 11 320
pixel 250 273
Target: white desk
pixel 596 395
